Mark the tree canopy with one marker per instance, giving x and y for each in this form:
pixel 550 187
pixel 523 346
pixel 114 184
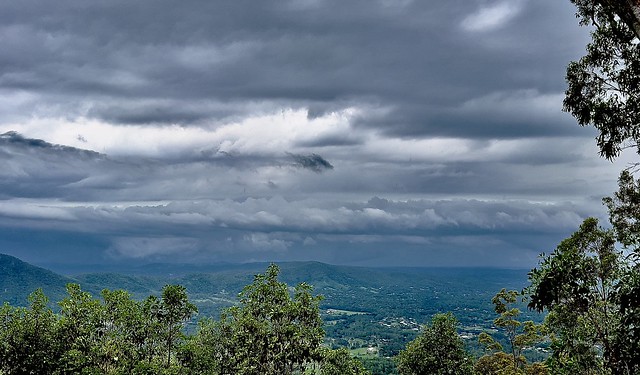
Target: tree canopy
pixel 438 350
pixel 519 335
pixel 604 85
pixel 273 330
pixel 269 332
pixel 576 284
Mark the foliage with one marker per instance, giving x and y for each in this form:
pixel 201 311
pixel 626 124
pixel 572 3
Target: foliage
pixel 339 361
pixel 624 214
pixel 496 363
pixel 627 335
pixel 269 332
pixel 624 211
pixel 438 350
pixel 384 298
pixel 379 365
pixel 274 329
pixel 520 335
pixel 590 290
pixel 113 336
pixel 577 284
pixel 604 85
pixel 208 351
pixel 28 338
pixel 173 311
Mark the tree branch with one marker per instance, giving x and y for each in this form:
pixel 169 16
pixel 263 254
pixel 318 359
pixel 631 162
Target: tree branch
pixel 627 10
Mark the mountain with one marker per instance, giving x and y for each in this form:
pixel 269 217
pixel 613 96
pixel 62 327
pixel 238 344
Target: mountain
pixel 415 293
pixel 361 307
pixel 410 292
pixel 18 279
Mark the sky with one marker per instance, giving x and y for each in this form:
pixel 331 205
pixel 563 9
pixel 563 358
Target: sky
pixel 360 132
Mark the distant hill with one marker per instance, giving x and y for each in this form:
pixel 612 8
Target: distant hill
pixel 18 279
pixel 362 307
pixel 412 292
pixel 407 290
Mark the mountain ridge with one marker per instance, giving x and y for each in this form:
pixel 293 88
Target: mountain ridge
pixel 413 292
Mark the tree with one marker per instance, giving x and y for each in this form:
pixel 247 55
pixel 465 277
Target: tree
pixel 497 363
pixel 520 335
pixel 438 350
pixel 604 91
pixel 268 333
pixel 604 85
pixel 577 285
pixel 174 310
pixel 628 11
pixel 339 361
pixel 627 339
pixel 130 333
pixel 210 350
pixel 81 329
pixel 624 214
pixel 28 342
pixel 117 335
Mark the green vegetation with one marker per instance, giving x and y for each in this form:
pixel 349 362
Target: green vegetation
pixel 589 288
pixel 590 284
pixel 269 332
pixel 271 329
pixel 19 279
pixel 89 336
pixel 604 85
pixel 438 350
pixel 586 286
pixel 520 336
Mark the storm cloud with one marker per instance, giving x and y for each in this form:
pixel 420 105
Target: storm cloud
pixel 429 69
pixel 312 162
pixel 357 132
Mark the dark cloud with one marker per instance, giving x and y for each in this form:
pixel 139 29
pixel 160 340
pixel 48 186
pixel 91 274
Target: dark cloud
pixel 450 119
pixel 14 139
pixel 413 58
pixel 313 162
pixel 159 113
pixel 35 168
pixel 274 228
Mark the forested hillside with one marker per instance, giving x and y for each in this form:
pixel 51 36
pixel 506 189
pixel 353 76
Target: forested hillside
pixel 19 279
pixel 362 307
pixel 372 312
pixel 270 328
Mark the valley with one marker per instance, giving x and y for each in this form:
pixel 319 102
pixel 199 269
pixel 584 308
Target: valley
pixel 374 312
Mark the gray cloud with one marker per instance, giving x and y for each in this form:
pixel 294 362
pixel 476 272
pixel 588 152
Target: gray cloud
pixel 442 120
pixel 35 168
pixel 182 64
pixel 331 140
pixel 13 138
pixel 312 162
pixel 277 228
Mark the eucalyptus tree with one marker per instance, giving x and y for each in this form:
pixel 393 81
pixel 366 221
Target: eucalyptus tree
pixel 28 337
pixel 174 310
pixel 272 331
pixel 437 350
pixel 604 85
pixel 340 361
pixel 519 334
pixel 577 285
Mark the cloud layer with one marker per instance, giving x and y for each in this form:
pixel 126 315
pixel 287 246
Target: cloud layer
pixel 360 132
